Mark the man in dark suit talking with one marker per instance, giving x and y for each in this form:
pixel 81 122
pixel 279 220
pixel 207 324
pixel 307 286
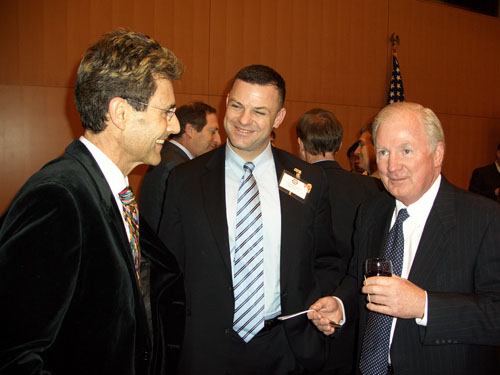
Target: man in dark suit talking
pixel 439 313
pixel 250 226
pixel 71 241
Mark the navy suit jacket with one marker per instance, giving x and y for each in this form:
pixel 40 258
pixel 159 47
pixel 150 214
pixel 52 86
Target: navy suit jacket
pixel 195 229
pixel 347 191
pixel 485 180
pixel 70 300
pixel 155 183
pixel 458 264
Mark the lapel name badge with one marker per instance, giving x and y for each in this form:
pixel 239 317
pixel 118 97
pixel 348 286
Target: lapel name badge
pixel 294 186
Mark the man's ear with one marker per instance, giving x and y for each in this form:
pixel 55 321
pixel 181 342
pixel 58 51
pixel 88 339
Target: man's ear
pixel 439 154
pixel 279 118
pixel 300 144
pixel 189 129
pixel 118 112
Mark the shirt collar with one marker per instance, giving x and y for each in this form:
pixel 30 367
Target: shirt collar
pixel 183 148
pixel 235 162
pixel 419 211
pixel 113 175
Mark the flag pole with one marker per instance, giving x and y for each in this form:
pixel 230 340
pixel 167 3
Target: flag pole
pixel 396 90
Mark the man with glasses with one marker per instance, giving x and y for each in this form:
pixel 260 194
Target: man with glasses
pixel 71 241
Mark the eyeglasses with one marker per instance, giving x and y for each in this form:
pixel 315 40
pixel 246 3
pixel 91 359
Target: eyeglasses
pixel 168 112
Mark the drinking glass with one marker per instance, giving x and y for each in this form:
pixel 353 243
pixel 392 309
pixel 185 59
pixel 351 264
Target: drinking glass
pixel 378 267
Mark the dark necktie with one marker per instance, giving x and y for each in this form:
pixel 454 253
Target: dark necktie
pixel 248 267
pixel 131 215
pixel 375 350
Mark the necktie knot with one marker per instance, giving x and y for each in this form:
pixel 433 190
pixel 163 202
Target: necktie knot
pixel 127 196
pixel 402 215
pixel 249 167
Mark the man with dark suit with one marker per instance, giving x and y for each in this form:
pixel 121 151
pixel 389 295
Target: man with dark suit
pixel 199 134
pixel 69 253
pixel 291 256
pixel 319 137
pixel 486 180
pixel 442 315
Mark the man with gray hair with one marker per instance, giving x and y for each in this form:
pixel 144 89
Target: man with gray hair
pixel 71 241
pixel 439 313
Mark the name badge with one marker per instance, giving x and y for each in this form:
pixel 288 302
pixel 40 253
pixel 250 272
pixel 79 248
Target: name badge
pixel 294 186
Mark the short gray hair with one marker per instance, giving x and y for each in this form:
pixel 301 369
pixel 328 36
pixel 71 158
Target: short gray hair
pixel 426 116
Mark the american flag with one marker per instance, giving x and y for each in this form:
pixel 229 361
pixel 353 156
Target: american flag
pixel 396 91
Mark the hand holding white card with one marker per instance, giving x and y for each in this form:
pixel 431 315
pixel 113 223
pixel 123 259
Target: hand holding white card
pixel 285 317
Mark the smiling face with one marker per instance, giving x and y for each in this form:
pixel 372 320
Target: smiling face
pixel 147 130
pixel 407 165
pixel 207 139
pixel 252 112
pixel 365 153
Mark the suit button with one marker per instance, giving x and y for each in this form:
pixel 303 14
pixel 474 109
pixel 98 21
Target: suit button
pixel 230 288
pixel 146 356
pixel 227 331
pixel 188 312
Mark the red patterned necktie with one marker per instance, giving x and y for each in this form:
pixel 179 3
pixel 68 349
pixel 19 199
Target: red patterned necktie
pixel 131 215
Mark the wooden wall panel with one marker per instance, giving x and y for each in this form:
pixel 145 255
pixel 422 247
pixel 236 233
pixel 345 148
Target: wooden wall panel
pixel 331 52
pixel 9 40
pixel 37 123
pixel 449 57
pixel 471 142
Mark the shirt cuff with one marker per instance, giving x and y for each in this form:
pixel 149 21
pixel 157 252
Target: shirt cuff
pixel 423 321
pixel 343 320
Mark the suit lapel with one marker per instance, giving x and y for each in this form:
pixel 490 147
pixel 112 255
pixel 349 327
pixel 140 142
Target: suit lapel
pixel 78 151
pixel 379 229
pixel 432 246
pixel 288 218
pixel 214 200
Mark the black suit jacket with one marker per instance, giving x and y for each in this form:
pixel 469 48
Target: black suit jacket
pixel 155 183
pixel 458 264
pixel 346 192
pixel 195 229
pixel 70 298
pixel 485 180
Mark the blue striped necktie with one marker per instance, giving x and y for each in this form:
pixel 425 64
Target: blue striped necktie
pixel 375 349
pixel 248 263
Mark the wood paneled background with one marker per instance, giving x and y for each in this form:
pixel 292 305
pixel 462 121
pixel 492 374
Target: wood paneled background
pixel 332 53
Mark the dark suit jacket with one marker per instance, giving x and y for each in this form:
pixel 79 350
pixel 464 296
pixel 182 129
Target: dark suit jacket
pixel 155 183
pixel 70 299
pixel 346 192
pixel 485 180
pixel 458 264
pixel 195 229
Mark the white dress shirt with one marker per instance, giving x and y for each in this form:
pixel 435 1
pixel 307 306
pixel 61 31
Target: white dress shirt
pixel 267 182
pixel 186 151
